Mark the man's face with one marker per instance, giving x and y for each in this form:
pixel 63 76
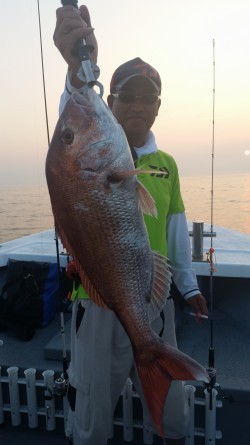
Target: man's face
pixel 136 117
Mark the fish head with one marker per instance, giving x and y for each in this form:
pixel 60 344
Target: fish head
pixel 87 137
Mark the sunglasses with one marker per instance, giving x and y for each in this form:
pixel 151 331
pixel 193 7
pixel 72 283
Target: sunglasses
pixel 130 98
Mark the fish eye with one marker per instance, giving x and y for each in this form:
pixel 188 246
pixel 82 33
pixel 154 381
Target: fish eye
pixel 67 136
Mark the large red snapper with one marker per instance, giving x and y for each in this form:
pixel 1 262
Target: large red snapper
pixel 97 203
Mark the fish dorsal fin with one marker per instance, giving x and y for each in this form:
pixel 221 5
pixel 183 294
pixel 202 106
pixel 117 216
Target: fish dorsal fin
pixel 161 286
pixel 146 202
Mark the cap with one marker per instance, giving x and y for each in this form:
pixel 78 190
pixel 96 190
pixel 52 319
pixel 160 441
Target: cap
pixel 132 68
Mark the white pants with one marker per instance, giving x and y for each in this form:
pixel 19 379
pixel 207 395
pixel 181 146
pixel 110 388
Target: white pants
pixel 101 361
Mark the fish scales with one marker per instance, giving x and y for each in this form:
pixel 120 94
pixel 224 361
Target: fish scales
pixel 96 202
pixel 101 211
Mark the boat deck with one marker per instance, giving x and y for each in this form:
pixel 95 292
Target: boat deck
pixel 232 251
pixel 231 307
pixel 232 363
pixel 230 324
pixel 231 337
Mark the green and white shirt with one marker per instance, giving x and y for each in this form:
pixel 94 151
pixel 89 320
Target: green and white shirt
pixel 163 185
pixel 168 233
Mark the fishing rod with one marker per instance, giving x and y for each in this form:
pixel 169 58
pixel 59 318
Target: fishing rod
pixel 211 250
pixel 88 72
pixel 64 352
pixel 211 352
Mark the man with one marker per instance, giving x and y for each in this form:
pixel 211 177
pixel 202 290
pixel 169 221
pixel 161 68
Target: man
pixel 101 354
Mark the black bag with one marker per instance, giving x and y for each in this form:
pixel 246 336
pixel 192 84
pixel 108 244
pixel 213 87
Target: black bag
pixel 28 298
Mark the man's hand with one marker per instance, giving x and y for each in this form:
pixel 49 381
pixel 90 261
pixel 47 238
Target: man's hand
pixel 199 305
pixel 73 25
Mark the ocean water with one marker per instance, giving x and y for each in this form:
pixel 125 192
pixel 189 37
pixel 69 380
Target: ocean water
pixel 27 210
pixel 231 200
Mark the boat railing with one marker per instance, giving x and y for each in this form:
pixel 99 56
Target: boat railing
pixel 197 233
pixel 33 397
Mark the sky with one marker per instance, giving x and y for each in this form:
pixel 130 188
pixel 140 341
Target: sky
pixel 176 37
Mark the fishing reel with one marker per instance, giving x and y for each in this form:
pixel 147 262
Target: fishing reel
pixel 212 375
pixel 57 391
pixel 60 387
pixel 212 388
pixel 211 371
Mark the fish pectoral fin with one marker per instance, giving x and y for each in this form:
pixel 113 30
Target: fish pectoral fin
pixel 161 286
pixel 121 175
pixel 146 201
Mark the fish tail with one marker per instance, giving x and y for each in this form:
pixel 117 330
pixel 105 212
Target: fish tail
pixel 157 367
